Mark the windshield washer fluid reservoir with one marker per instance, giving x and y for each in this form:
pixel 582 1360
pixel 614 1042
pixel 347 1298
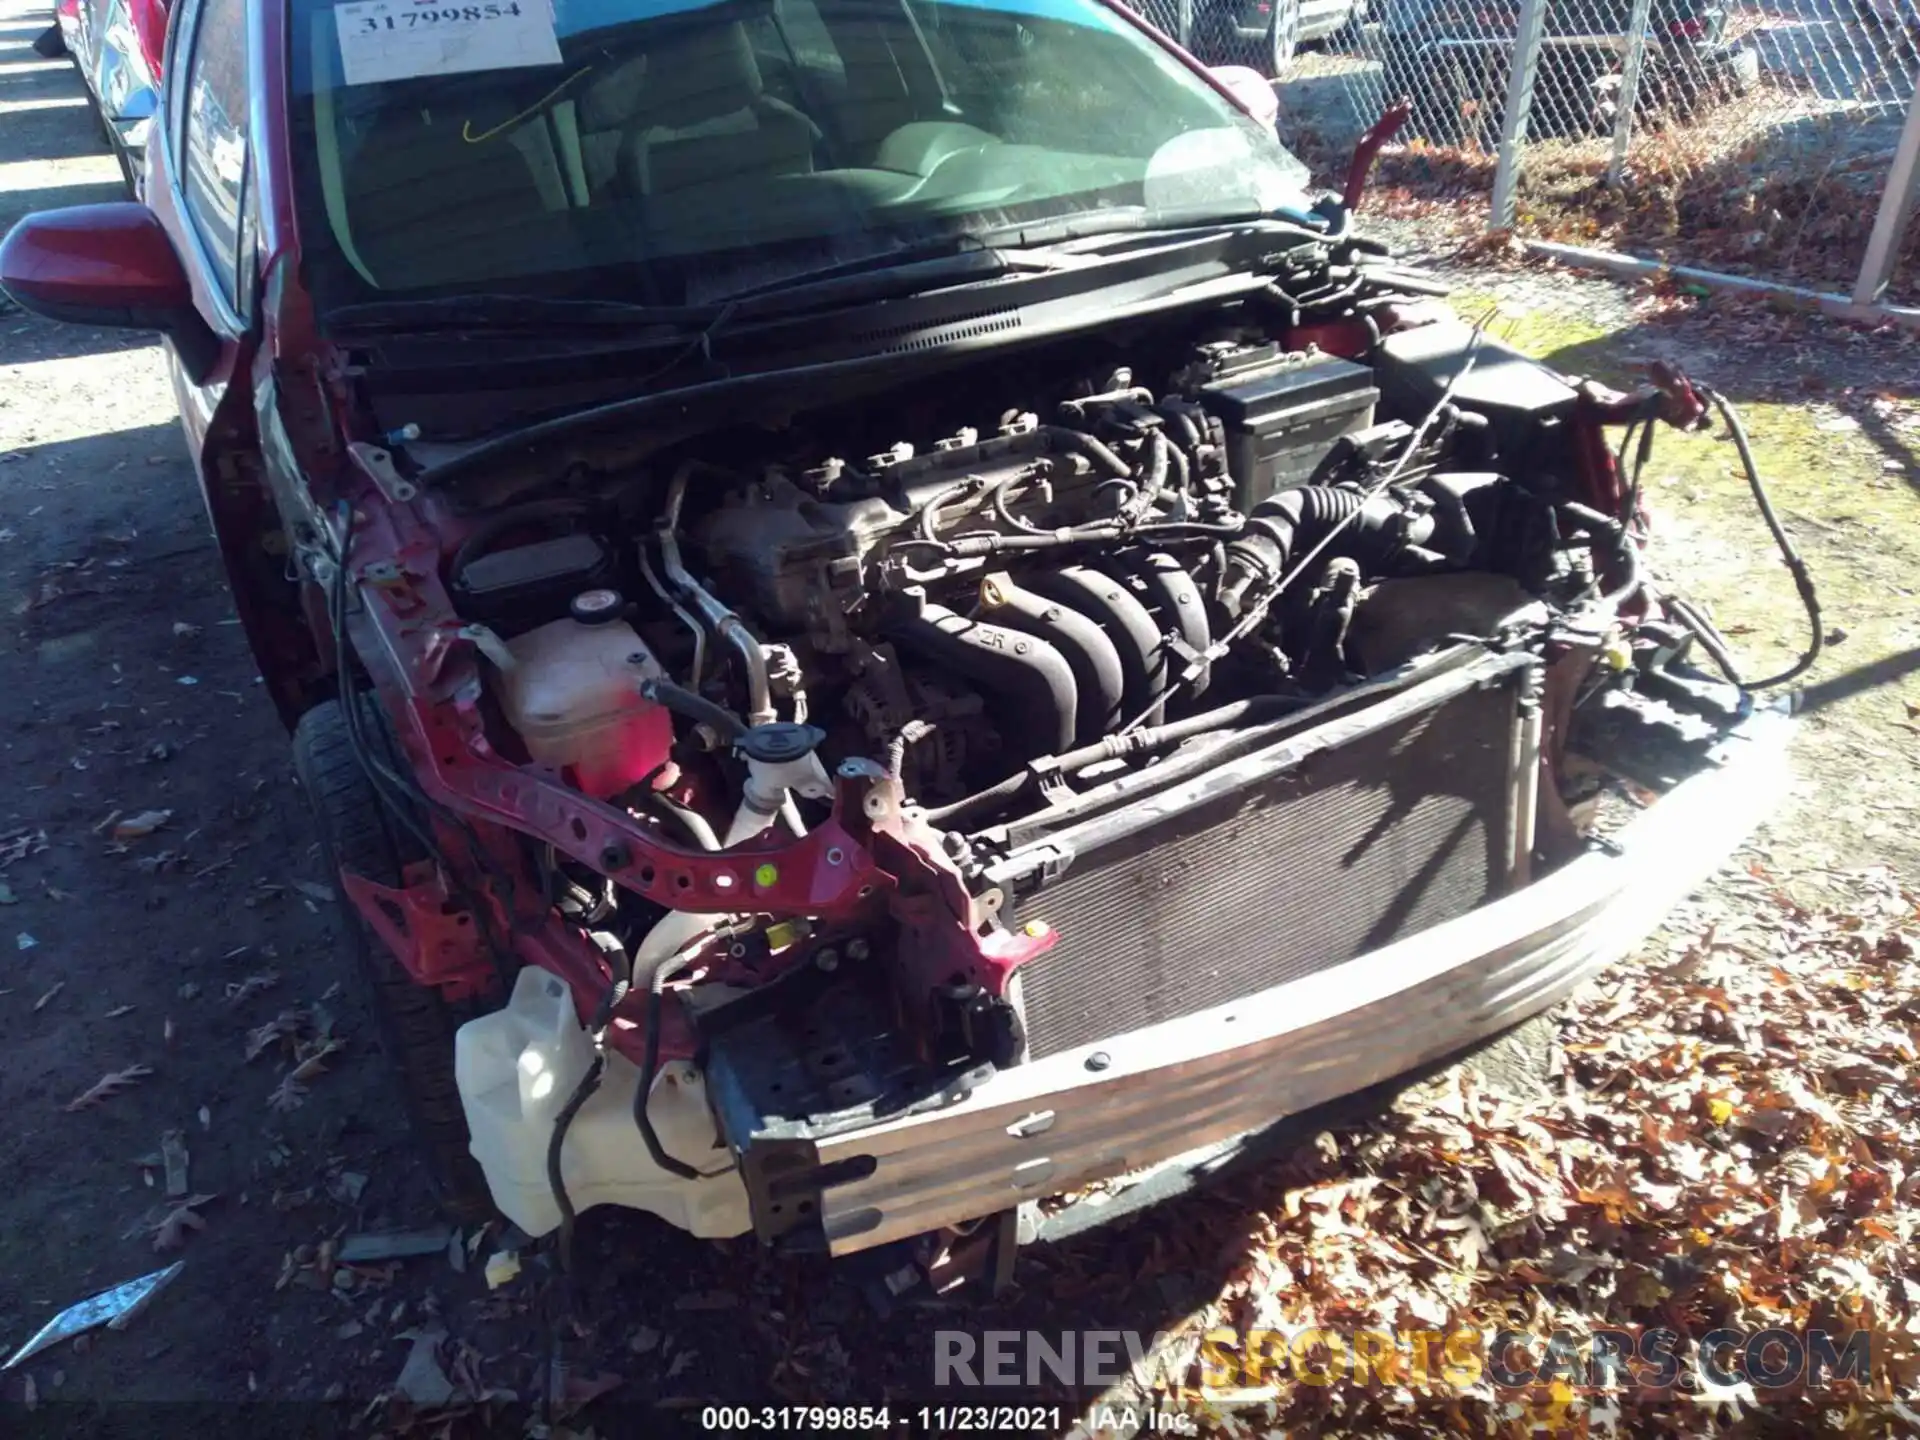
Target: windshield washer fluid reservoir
pixel 516 1069
pixel 573 695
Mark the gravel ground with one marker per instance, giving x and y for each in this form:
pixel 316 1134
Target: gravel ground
pixel 125 689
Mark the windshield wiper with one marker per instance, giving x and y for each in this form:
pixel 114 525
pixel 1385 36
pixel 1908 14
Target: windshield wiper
pixel 543 313
pixel 911 270
pixel 879 277
pixel 1119 220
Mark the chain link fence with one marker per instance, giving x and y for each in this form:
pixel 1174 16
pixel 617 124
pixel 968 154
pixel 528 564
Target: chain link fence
pixel 1751 137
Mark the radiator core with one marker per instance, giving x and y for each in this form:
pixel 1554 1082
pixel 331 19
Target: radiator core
pixel 1333 853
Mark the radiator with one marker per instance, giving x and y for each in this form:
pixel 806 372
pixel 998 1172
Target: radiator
pixel 1291 860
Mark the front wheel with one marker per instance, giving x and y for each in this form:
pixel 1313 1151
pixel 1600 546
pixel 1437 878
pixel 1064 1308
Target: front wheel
pixel 416 1023
pixel 1283 36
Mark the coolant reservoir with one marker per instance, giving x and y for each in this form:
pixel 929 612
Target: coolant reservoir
pixel 516 1069
pixel 573 694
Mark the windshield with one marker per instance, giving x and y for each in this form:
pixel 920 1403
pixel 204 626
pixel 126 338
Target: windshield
pixel 670 152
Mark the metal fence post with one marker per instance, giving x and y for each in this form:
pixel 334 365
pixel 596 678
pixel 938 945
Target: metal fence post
pixel 1629 87
pixel 1513 122
pixel 1896 204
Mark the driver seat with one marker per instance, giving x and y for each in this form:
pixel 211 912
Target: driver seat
pixel 704 119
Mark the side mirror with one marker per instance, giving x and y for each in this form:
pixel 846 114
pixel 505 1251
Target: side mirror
pixel 106 265
pixel 1251 90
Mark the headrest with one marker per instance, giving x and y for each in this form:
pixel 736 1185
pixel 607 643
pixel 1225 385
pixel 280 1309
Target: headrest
pixel 695 75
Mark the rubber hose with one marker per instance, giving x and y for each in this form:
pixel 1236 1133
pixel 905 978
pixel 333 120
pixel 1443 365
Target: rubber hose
pixel 1300 519
pixel 1797 567
pixel 563 1122
pixel 1136 742
pixel 1078 442
pixel 697 708
pixel 650 1066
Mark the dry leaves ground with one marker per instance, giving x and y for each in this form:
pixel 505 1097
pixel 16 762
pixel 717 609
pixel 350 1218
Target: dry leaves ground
pixel 1731 1141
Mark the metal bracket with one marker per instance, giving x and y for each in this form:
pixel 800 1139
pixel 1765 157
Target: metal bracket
pixel 377 463
pixel 436 942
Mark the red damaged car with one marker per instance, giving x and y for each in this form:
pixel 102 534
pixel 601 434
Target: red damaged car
pixel 884 615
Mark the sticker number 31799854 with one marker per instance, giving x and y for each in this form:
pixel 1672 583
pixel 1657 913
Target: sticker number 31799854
pixel 399 39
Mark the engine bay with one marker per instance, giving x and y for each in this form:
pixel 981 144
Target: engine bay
pixel 860 748
pixel 1075 585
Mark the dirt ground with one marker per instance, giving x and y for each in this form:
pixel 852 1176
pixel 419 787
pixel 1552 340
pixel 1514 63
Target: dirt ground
pixel 125 689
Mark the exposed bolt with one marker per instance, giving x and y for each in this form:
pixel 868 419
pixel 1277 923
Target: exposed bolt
pixel 1099 1060
pixel 828 960
pixel 613 855
pixel 835 855
pixel 858 949
pixel 1020 647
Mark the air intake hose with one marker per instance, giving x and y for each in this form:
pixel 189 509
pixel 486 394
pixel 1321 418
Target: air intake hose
pixel 1371 531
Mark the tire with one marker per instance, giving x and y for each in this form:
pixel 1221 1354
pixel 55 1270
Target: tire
pixel 1350 37
pixel 1283 37
pixel 416 1023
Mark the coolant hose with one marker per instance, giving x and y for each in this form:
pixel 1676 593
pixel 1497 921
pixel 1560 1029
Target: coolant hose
pixel 697 708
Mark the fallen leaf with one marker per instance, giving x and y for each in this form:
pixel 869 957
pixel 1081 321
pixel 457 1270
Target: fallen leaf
pixel 579 1391
pixel 108 1086
pixel 20 844
pixel 136 827
pixel 47 999
pixel 182 1220
pixel 313 1066
pixel 421 1379
pixel 117 1012
pixel 287 1026
pixel 243 990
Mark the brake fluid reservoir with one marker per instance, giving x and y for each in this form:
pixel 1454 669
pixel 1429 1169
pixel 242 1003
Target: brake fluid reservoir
pixel 573 695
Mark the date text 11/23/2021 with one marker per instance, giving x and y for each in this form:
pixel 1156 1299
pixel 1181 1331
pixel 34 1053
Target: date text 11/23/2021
pixel 939 1420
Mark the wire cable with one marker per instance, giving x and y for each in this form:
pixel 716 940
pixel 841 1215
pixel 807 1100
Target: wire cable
pixel 1797 567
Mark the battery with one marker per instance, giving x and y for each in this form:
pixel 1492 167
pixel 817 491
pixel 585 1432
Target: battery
pixel 1282 421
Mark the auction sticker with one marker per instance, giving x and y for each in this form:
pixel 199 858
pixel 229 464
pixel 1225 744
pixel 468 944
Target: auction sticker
pixel 400 39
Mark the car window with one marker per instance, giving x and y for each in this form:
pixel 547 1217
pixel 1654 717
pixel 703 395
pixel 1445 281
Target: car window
pixel 179 41
pixel 675 150
pixel 213 151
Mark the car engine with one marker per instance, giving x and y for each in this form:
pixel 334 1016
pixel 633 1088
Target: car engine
pixel 1068 585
